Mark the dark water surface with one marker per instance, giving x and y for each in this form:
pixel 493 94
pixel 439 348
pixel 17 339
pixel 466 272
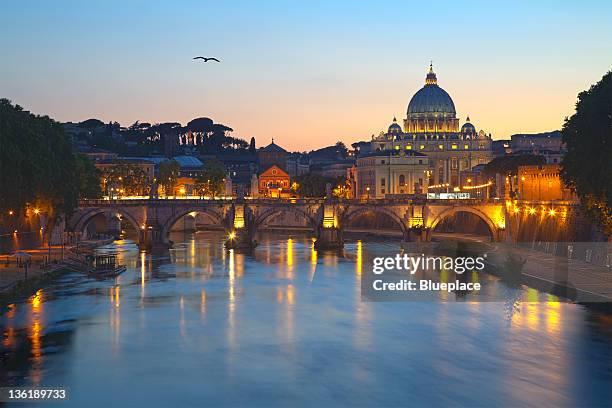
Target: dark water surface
pixel 286 326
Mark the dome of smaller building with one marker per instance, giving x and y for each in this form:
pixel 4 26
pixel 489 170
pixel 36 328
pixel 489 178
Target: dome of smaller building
pixel 468 128
pixel 394 128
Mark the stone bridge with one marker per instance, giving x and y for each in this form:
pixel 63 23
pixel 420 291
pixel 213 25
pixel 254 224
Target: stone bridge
pixel 241 218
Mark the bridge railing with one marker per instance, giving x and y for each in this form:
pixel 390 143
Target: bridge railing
pixel 271 201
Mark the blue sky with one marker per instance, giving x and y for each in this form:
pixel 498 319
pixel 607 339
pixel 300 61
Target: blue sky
pixel 305 73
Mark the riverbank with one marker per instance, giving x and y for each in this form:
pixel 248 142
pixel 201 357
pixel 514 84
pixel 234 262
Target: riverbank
pixel 23 274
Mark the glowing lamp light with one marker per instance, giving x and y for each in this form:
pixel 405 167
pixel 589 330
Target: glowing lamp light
pixel 11 212
pixel 532 210
pixel 552 212
pixel 15 231
pixel 143 226
pixel 232 235
pixel 36 211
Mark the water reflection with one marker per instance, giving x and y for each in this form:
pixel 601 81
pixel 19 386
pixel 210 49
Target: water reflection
pixel 287 325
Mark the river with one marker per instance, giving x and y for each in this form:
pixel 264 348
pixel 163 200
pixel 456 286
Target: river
pixel 287 326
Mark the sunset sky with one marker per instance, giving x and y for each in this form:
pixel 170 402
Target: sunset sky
pixel 306 73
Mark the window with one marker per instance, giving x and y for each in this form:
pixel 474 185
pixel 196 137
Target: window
pixel 420 161
pixel 454 146
pixel 466 146
pixel 422 147
pixel 402 180
pixel 382 191
pixel 382 162
pixel 397 147
pixel 408 147
pixel 454 163
pixel 382 181
pixel 441 146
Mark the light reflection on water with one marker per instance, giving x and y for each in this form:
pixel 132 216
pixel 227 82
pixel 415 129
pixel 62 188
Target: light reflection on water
pixel 287 326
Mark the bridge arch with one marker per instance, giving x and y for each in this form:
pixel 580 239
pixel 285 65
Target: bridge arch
pixel 80 221
pixel 353 213
pixel 210 213
pixel 449 212
pixel 260 218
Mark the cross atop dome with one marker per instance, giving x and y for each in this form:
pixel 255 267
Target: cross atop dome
pixel 431 79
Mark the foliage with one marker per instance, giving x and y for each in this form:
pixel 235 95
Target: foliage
pixel 313 185
pixel 211 181
pixel 168 175
pixel 37 166
pixel 125 179
pixel 508 165
pixel 342 188
pixel 88 177
pixel 587 165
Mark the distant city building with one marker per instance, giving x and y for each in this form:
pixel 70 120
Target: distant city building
pixel 240 166
pixel 548 144
pixel 432 128
pixel 390 172
pixel 96 154
pixel 272 155
pixel 335 170
pixel 296 165
pixel 501 147
pixel 274 182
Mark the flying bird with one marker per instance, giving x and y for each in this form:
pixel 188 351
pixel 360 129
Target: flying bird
pixel 206 59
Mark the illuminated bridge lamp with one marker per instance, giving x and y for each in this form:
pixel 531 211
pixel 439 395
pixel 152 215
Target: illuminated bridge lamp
pixel 532 210
pixel 239 217
pixel 552 212
pixel 329 220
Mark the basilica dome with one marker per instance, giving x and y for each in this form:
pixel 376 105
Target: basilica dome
pixel 431 99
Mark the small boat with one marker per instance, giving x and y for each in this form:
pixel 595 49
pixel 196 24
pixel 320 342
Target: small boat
pixel 106 266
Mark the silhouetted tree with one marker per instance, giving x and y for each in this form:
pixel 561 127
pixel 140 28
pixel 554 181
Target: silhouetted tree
pixel 587 165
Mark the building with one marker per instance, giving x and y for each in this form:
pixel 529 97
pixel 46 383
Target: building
pixel 390 172
pixel 547 144
pixel 296 165
pixel 431 127
pixel 542 183
pixel 272 155
pixel 274 182
pixel 96 154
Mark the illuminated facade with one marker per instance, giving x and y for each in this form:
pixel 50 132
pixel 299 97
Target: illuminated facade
pixel 432 128
pixel 392 172
pixel 274 183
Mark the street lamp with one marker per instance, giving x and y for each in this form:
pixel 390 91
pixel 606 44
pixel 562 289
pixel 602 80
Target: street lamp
pixel 368 192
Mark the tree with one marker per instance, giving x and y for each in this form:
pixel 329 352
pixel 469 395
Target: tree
pixel 252 148
pixel 211 181
pixel 168 175
pixel 37 166
pixel 587 165
pixel 125 178
pixel 313 185
pixel 508 165
pixel 88 177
